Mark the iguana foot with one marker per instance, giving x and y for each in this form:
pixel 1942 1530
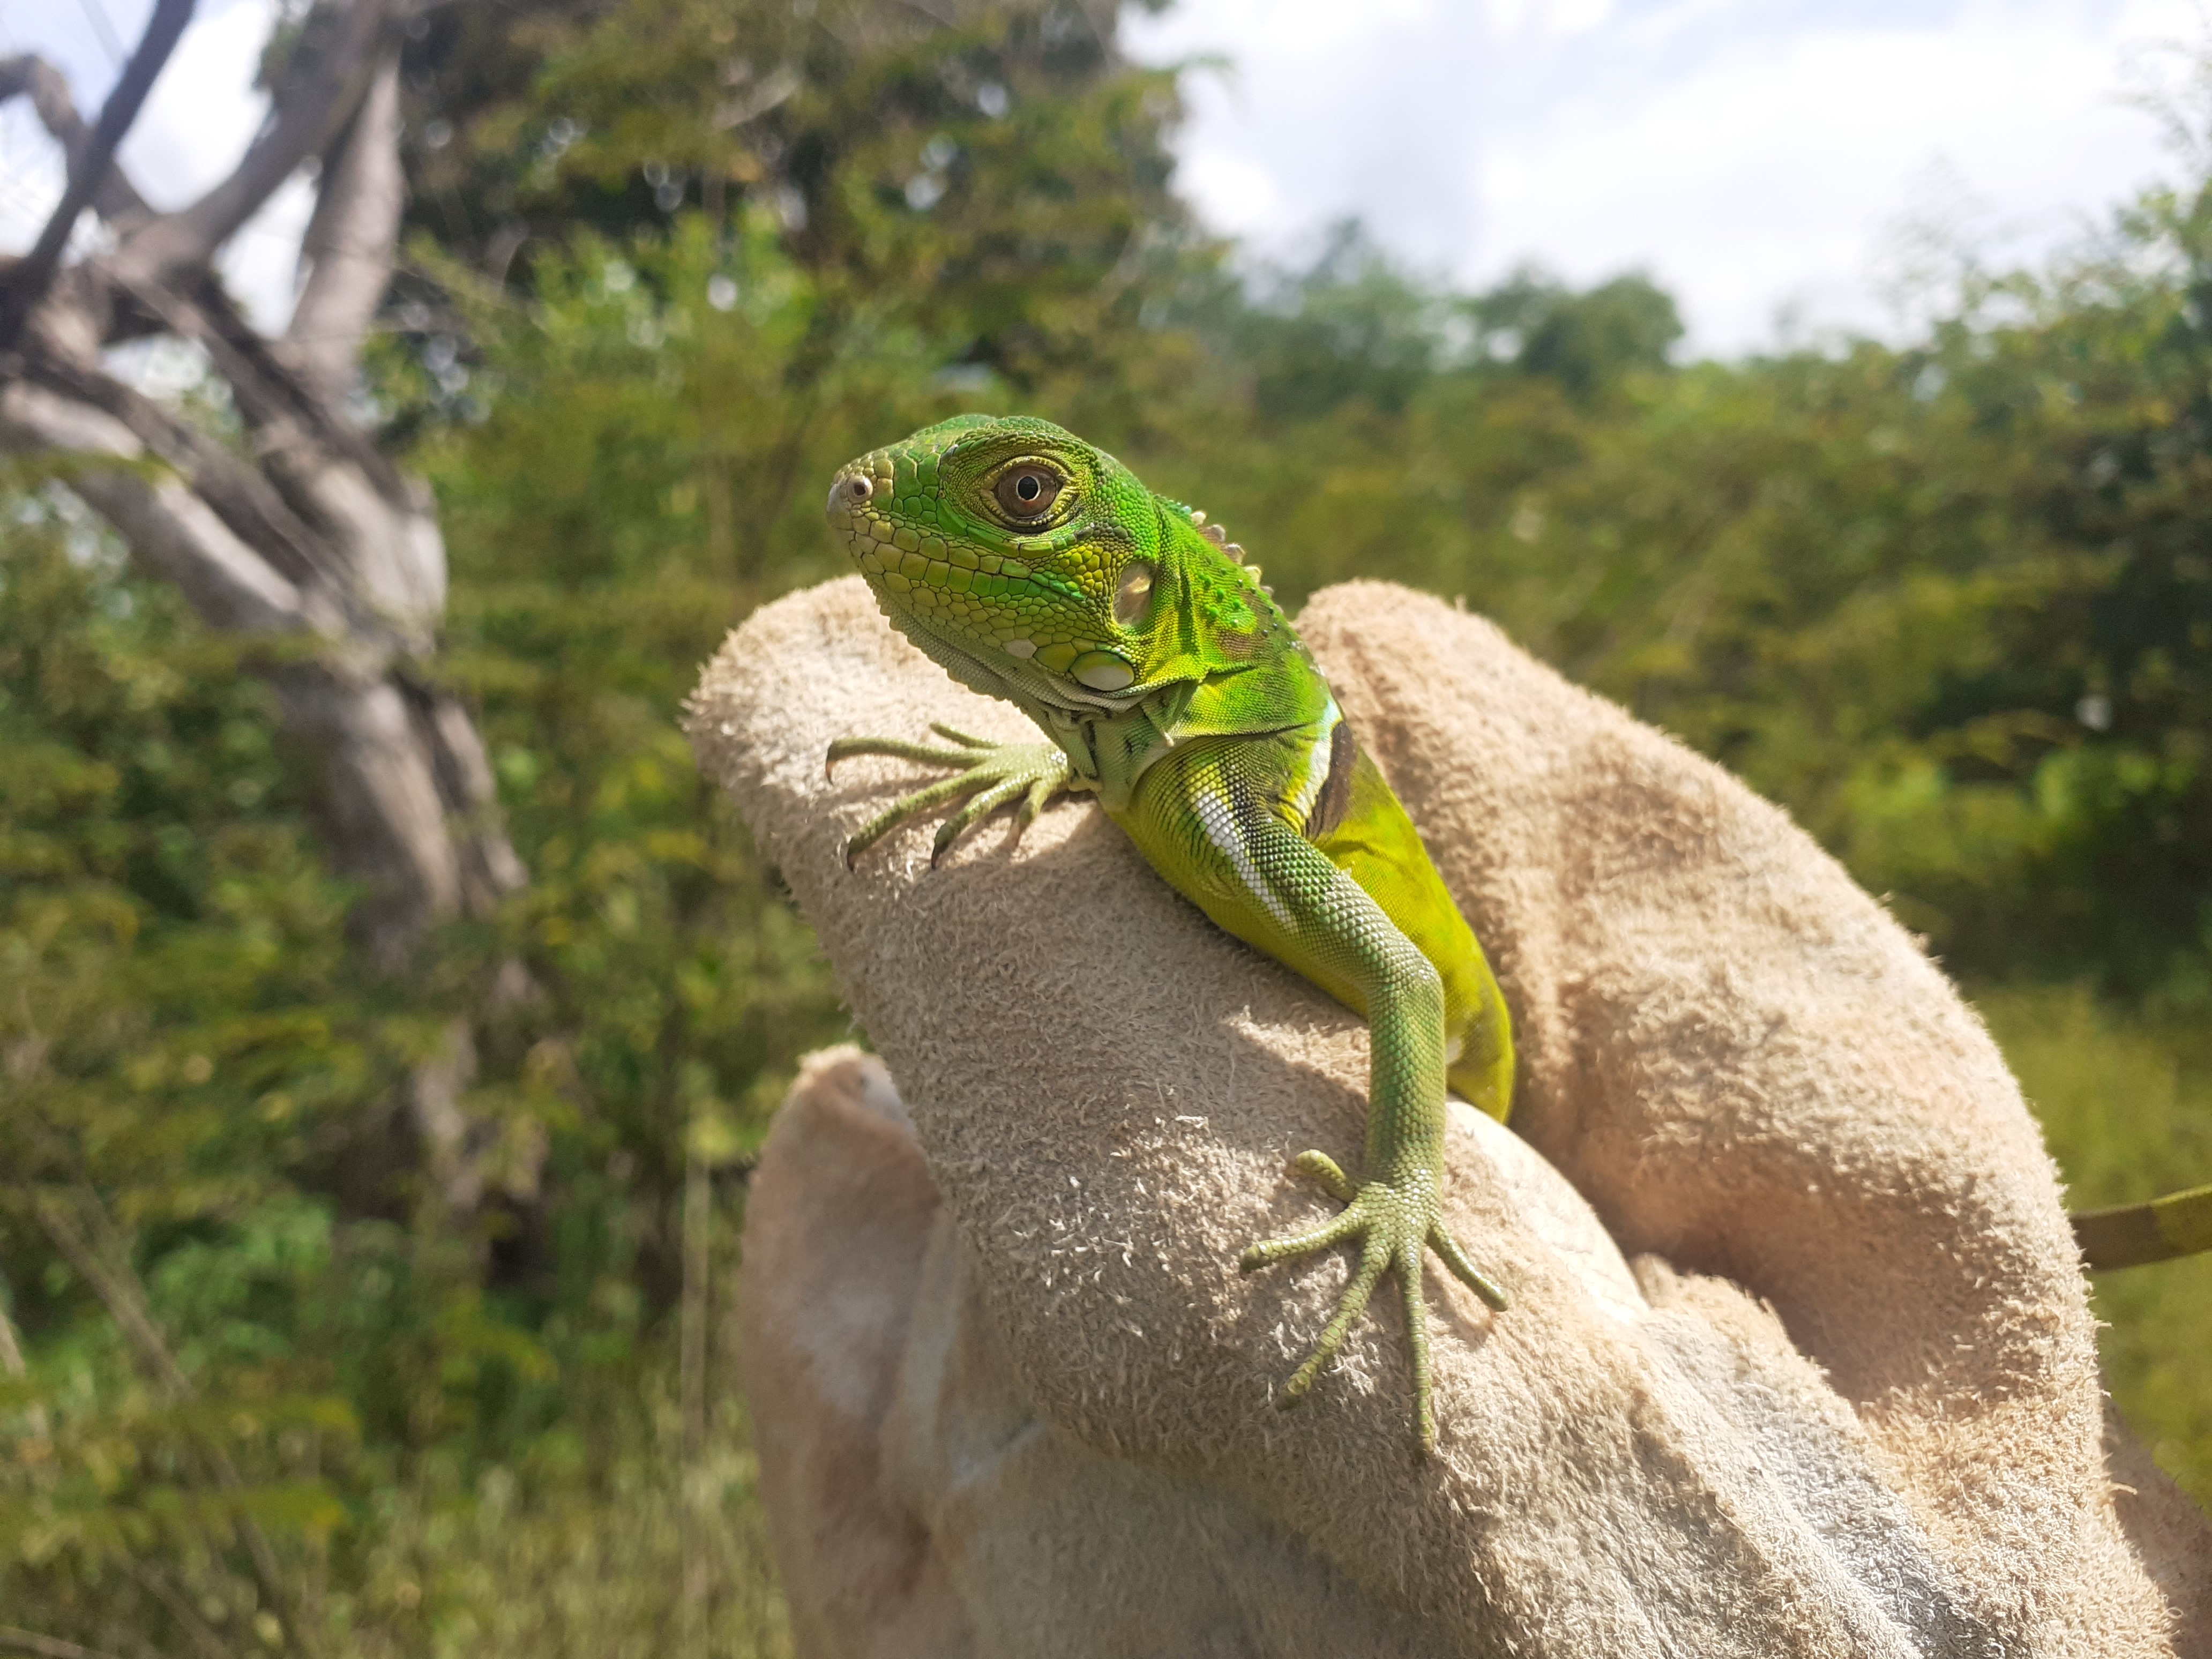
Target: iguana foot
pixel 995 774
pixel 1393 1223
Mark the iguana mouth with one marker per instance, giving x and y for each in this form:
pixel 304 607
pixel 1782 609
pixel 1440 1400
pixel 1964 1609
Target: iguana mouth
pixel 1035 684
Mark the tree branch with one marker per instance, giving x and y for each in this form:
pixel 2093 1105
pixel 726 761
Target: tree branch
pixel 381 528
pixel 393 825
pixel 150 1579
pixel 47 1647
pixel 168 526
pixel 282 408
pixel 242 497
pixel 320 89
pixel 28 282
pixel 306 530
pixel 353 239
pixel 113 197
pixel 125 1303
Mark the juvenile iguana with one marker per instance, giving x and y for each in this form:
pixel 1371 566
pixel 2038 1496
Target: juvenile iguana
pixel 1034 568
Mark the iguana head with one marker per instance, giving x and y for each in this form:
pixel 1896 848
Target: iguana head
pixel 1025 560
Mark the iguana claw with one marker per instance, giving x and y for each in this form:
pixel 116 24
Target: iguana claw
pixel 993 773
pixel 1394 1222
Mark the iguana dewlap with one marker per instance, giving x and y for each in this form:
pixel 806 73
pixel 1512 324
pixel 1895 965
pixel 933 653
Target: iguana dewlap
pixel 1034 568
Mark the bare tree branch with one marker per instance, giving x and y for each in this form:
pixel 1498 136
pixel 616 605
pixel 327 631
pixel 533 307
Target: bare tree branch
pixel 406 769
pixel 12 1351
pixel 28 282
pixel 171 528
pixel 271 398
pixel 255 512
pixel 119 1290
pixel 157 1584
pixel 490 868
pixel 353 239
pixel 390 817
pixel 96 15
pixel 113 197
pixel 321 88
pixel 47 1647
pixel 382 529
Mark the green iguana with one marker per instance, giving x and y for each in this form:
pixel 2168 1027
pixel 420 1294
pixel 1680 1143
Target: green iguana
pixel 1034 568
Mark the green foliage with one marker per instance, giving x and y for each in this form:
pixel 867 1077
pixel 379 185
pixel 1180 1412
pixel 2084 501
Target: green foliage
pixel 643 467
pixel 661 410
pixel 578 1549
pixel 462 1441
pixel 197 1107
pixel 1943 602
pixel 177 1030
pixel 994 172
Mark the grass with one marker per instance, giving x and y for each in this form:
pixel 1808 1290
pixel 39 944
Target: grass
pixel 2125 1101
pixel 576 1562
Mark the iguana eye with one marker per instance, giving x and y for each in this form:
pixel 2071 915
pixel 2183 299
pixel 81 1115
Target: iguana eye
pixel 1028 492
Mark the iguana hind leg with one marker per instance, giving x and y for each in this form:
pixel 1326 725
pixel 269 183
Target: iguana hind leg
pixel 1207 817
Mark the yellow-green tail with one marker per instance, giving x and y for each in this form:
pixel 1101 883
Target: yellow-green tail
pixel 2136 1235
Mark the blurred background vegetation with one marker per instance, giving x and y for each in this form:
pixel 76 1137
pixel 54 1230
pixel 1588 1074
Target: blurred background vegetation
pixel 671 260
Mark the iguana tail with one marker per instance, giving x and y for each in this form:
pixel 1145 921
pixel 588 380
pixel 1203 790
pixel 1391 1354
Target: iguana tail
pixel 2134 1235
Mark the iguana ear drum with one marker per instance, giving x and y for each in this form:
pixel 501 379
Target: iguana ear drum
pixel 1134 596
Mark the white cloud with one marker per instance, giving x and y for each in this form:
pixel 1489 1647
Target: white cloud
pixel 1243 198
pixel 1753 154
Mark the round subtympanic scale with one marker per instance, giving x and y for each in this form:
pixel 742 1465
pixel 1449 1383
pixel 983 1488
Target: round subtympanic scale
pixel 1102 671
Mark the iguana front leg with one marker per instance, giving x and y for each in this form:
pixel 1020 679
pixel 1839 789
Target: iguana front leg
pixel 991 775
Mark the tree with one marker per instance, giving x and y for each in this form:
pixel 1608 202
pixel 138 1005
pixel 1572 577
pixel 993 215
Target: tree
pixel 292 530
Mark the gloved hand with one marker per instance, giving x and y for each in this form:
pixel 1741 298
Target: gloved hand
pixel 1847 1402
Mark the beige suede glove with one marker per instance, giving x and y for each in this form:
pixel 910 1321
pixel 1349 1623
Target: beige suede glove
pixel 1014 1397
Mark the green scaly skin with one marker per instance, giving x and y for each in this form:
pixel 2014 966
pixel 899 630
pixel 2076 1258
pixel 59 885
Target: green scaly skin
pixel 1034 568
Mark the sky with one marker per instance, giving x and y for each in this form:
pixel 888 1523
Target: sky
pixel 1757 157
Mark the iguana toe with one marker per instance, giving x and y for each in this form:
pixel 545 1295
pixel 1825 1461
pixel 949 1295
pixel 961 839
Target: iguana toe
pixel 991 775
pixel 1393 1222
